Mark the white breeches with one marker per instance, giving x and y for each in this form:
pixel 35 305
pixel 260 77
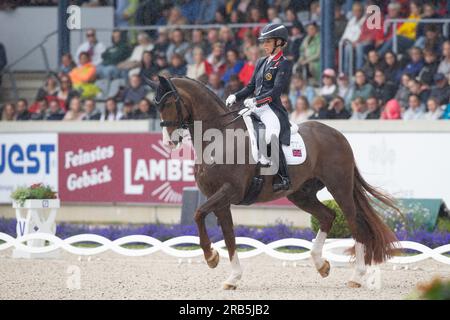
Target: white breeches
pixel 271 121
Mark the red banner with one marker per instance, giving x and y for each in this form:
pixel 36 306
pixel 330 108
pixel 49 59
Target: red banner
pixel 121 168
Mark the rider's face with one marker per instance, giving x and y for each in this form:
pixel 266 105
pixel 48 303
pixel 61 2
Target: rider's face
pixel 268 46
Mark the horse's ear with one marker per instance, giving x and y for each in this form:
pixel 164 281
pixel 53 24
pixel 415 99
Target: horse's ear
pixel 164 83
pixel 153 84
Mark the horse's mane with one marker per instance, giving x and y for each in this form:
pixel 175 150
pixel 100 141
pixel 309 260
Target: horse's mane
pixel 208 90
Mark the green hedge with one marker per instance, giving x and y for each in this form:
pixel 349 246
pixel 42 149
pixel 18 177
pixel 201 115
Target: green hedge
pixel 340 228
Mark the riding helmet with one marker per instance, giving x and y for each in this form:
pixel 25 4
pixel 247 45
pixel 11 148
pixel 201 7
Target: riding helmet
pixel 274 30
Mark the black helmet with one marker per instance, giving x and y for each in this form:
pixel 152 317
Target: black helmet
pixel 274 30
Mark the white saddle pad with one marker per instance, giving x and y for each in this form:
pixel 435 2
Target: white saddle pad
pixel 295 153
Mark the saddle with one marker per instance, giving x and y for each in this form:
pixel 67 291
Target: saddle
pixel 295 153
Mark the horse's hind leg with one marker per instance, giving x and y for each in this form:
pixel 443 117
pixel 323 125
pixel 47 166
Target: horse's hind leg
pixel 214 203
pixel 226 222
pixel 307 201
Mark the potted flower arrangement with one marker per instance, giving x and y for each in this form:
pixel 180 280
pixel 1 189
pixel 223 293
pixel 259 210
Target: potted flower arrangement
pixel 36 207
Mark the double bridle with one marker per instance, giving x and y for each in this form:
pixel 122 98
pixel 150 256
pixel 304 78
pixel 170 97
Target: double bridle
pixel 182 123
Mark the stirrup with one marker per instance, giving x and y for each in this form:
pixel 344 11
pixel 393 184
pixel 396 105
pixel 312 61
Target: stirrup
pixel 284 184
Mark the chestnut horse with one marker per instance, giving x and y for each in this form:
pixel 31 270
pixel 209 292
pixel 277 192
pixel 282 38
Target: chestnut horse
pixel 330 163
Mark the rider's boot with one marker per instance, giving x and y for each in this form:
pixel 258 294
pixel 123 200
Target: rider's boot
pixel 285 182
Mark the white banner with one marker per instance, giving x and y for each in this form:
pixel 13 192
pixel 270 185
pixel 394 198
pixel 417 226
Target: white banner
pixel 407 165
pixel 26 159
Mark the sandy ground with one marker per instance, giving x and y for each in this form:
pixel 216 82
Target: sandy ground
pixel 159 276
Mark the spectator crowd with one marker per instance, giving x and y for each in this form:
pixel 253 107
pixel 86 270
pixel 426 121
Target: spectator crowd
pixel 106 82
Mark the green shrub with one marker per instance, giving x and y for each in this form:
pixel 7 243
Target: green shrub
pixel 36 191
pixel 443 224
pixel 340 228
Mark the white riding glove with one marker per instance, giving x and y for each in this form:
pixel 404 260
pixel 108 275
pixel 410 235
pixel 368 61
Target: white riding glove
pixel 230 100
pixel 250 103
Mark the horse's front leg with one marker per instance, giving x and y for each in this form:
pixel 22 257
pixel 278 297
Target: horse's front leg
pixel 217 201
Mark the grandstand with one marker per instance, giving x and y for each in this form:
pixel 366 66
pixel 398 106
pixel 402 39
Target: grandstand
pixel 398 70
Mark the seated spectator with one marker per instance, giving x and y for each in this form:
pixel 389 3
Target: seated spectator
pixel 273 15
pixel 392 111
pixel 233 65
pixel 162 42
pixel 22 110
pixel 429 69
pixel 296 36
pixel 83 77
pixel 177 66
pixel 41 111
pixel 286 103
pixel 65 92
pixel 393 12
pixel 216 60
pixel 128 111
pixel 92 47
pixel 310 53
pixel 145 110
pixel 340 23
pixel 415 110
pixel 212 38
pixel 319 107
pixel 111 112
pixel 50 88
pixel 148 67
pixel 197 41
pixel 300 88
pixel 359 109
pixel 372 63
pixel 90 111
pixel 329 89
pixel 200 66
pixel 161 62
pixel 255 16
pixel 226 38
pixel 373 108
pixel 361 88
pixel 9 112
pixel 136 91
pixel 67 64
pixel 434 109
pixel 246 73
pixel 216 85
pixel 302 111
pixel 344 89
pixel 54 112
pixel 248 42
pixel 444 66
pixel 233 85
pixel 429 12
pixel 176 17
pixel 177 44
pixel 446 113
pixel 131 65
pixel 391 68
pixel 433 40
pixel 382 90
pixel 417 88
pixel 406 32
pixel 403 92
pixel 75 110
pixel 352 32
pixel 337 109
pixel 416 64
pixel 441 90
pixel 111 57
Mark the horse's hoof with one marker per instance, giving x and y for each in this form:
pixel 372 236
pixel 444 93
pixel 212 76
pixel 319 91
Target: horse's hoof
pixel 353 284
pixel 213 261
pixel 324 271
pixel 227 286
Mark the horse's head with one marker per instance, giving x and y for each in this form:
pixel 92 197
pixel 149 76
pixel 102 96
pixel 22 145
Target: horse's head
pixel 173 113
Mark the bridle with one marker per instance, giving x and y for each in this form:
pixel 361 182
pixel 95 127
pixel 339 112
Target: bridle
pixel 181 123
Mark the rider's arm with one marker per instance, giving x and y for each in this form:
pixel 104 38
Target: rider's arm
pixel 250 88
pixel 282 78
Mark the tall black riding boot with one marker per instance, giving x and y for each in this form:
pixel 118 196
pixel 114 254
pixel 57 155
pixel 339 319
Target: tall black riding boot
pixel 284 183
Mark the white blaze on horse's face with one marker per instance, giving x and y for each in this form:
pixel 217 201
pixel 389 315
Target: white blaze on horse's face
pixel 167 142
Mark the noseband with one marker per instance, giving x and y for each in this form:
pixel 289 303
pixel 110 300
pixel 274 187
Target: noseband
pixel 180 123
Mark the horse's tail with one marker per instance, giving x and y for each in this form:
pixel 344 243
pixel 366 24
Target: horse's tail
pixel 378 239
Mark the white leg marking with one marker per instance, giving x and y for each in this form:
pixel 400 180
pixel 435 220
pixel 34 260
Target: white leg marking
pixel 316 252
pixel 236 271
pixel 360 266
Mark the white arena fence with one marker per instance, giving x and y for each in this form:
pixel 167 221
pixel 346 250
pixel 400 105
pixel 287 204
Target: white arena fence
pixel 156 245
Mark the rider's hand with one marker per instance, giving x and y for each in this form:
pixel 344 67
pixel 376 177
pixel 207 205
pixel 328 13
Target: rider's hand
pixel 250 103
pixel 230 100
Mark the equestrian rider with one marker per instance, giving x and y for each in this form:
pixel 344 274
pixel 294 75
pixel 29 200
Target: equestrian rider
pixel 270 77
